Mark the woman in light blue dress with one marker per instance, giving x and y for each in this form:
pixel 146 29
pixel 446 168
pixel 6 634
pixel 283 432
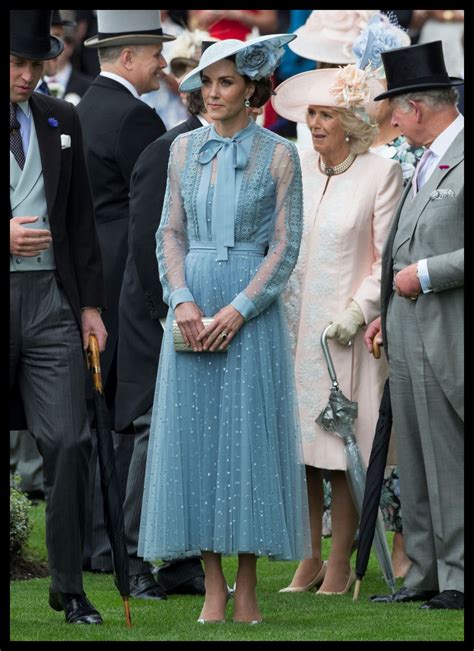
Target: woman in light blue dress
pixel 224 471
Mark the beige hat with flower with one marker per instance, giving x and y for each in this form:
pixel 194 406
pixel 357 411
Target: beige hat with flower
pixel 347 88
pixel 186 51
pixel 328 34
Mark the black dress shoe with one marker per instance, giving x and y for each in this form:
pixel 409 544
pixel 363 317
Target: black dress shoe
pixel 404 596
pixel 144 586
pixel 77 608
pixel 181 576
pixel 193 586
pixel 448 600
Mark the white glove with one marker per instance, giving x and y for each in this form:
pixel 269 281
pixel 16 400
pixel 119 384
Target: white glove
pixel 346 324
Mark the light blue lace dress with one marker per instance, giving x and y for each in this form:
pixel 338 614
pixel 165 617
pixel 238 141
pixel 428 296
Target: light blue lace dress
pixel 224 468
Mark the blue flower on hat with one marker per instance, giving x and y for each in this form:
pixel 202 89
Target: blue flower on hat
pixel 258 60
pixel 53 122
pixel 381 34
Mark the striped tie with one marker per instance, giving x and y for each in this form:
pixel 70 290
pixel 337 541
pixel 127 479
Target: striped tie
pixel 16 144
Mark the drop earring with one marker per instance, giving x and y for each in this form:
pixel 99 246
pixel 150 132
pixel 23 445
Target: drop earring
pixel 347 138
pixel 247 103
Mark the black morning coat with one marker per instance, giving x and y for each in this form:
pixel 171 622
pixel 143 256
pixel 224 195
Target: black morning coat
pixel 141 300
pixel 70 211
pixel 117 127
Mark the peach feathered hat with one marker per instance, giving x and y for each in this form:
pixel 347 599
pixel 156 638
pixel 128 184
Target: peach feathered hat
pixel 347 88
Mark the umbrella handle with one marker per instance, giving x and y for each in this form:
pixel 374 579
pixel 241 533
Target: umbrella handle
pixel 93 362
pixel 375 348
pixel 327 356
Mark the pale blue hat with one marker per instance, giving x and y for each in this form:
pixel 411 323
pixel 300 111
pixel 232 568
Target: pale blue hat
pixel 259 57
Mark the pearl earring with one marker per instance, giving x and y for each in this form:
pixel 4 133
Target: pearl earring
pixel 247 103
pixel 347 138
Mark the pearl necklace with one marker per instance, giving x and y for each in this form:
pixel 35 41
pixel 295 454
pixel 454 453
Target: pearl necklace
pixel 337 169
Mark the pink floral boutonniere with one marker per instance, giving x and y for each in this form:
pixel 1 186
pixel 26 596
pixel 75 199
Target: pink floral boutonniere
pixel 444 167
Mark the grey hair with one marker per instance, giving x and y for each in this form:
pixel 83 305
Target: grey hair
pixel 111 54
pixel 361 134
pixel 436 99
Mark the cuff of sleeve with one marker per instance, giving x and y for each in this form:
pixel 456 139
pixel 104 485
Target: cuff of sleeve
pixel 244 305
pixel 181 295
pixel 424 276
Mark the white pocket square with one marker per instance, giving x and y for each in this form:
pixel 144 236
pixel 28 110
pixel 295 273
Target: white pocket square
pixel 65 141
pixel 442 193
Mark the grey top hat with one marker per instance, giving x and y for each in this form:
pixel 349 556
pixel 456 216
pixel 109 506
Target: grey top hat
pixel 128 27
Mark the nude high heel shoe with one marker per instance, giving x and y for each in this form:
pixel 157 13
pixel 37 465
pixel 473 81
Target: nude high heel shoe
pixel 229 595
pixel 314 583
pixel 349 584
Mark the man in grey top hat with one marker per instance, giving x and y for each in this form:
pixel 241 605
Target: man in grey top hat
pixel 422 298
pixel 117 127
pixel 56 292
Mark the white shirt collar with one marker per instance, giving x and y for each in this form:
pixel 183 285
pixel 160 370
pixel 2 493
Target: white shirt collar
pixel 25 107
pixel 204 122
pixel 121 80
pixel 441 143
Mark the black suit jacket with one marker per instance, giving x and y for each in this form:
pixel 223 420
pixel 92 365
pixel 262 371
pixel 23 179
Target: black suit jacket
pixel 78 83
pixel 141 298
pixel 117 127
pixel 70 210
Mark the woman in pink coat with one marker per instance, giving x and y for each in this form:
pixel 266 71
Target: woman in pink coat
pixel 349 199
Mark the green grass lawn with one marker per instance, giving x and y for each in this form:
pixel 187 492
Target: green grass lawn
pixel 288 617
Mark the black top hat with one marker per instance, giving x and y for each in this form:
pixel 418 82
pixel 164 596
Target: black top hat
pixel 417 67
pixel 30 36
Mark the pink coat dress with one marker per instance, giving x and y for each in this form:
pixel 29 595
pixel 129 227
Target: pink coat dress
pixel 344 232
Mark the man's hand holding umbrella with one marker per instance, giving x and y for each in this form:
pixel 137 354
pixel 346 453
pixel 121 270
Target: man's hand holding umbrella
pixel 92 324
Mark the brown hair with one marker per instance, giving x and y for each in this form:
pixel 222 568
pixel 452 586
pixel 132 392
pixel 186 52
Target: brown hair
pixel 263 87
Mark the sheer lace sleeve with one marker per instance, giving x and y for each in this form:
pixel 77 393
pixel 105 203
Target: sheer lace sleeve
pixel 171 236
pixel 285 238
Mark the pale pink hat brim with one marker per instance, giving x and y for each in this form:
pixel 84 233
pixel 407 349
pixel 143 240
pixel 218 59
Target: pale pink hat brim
pixel 294 95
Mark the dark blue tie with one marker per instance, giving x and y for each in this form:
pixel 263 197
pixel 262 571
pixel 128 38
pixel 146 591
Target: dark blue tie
pixel 43 88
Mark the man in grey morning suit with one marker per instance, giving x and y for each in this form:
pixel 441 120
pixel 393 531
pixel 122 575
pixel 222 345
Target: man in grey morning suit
pixel 423 327
pixel 56 292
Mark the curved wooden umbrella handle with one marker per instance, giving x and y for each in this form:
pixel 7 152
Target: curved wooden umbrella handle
pixel 375 348
pixel 93 362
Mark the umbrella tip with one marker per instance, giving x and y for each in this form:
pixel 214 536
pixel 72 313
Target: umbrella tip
pixel 128 618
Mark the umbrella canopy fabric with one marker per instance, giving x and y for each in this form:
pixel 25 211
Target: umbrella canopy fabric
pixel 338 417
pixel 113 508
pixel 373 484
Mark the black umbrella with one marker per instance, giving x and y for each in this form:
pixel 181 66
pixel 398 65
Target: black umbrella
pixel 337 417
pixel 373 487
pixel 113 509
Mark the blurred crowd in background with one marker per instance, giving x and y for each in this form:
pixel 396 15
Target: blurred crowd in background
pixel 78 65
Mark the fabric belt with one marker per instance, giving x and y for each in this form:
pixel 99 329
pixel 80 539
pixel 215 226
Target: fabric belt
pixel 239 247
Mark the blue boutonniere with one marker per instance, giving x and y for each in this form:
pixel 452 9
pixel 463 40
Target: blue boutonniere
pixel 53 122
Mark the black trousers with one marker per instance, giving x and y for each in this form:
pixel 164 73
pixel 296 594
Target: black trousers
pixel 47 361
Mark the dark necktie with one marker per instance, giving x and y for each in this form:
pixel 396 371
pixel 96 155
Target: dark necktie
pixel 43 88
pixel 16 144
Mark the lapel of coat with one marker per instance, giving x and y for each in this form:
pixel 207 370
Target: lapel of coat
pixel 453 156
pixel 49 141
pixel 23 181
pixel 387 250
